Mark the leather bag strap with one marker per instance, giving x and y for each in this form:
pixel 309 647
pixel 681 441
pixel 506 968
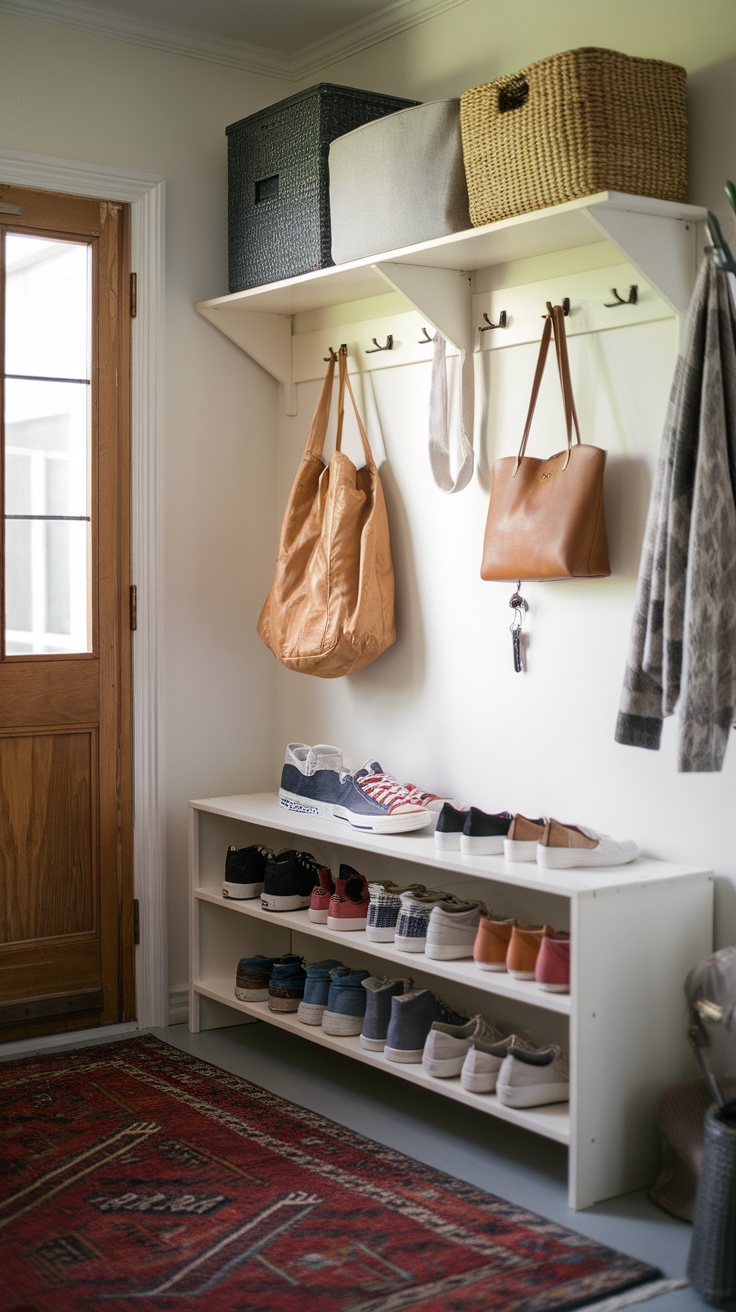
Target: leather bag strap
pixel 541 361
pixel 563 366
pixel 318 430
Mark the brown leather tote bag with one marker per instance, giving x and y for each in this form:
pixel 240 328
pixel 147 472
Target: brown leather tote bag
pixel 546 517
pixel 330 608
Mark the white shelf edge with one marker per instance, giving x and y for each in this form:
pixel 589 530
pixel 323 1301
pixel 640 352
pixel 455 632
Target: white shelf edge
pixel 461 971
pixel 553 1121
pixel 418 847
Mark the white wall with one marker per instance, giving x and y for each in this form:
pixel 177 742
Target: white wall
pixel 444 707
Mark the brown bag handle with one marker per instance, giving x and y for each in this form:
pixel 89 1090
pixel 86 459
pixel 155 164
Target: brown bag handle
pixel 318 430
pixel 554 321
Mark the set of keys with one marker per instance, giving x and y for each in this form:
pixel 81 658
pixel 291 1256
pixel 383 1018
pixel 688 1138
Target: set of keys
pixel 519 607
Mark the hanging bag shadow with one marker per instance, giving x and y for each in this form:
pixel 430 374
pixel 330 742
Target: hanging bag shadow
pixel 546 517
pixel 330 607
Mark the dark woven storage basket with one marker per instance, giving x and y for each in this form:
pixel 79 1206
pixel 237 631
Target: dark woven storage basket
pixel 712 1260
pixel 278 180
pixel 577 123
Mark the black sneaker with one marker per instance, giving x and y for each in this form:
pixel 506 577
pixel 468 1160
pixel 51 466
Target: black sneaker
pixel 450 825
pixel 288 881
pixel 244 870
pixel 483 834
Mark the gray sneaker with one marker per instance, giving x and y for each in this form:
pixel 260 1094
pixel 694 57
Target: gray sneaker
pixel 379 992
pixel 531 1079
pixel 411 1020
pixel 413 918
pixel 484 1060
pixel 446 1045
pixel 452 928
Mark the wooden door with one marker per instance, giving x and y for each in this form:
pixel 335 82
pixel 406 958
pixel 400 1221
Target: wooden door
pixel 66 886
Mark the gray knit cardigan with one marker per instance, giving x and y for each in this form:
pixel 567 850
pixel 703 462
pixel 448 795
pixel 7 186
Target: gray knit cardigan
pixel 682 653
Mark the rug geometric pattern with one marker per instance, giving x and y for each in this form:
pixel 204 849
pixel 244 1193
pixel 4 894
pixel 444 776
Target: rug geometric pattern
pixel 134 1176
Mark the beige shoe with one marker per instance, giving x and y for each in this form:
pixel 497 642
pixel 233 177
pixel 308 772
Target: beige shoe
pixel 520 844
pixel 564 846
pixel 532 1079
pixel 446 1046
pixel 484 1060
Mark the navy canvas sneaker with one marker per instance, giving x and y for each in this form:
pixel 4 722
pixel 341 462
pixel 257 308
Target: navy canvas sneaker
pixel 244 868
pixel 375 801
pixel 311 778
pixel 483 834
pixel 288 881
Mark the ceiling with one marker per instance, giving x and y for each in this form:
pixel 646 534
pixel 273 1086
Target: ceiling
pixel 285 38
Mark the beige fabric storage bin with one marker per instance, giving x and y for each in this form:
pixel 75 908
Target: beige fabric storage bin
pixel 581 122
pixel 398 181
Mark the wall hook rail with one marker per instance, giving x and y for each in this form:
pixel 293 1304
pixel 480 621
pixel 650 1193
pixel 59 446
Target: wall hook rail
pixel 371 350
pixel 631 299
pixel 502 322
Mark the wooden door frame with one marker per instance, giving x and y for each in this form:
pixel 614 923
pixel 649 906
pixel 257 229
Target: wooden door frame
pixel 144 192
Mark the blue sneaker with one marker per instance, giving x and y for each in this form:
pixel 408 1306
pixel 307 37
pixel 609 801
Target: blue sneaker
pixel 311 778
pixel 346 1001
pixel 412 1017
pixel 286 985
pixel 378 992
pixel 316 990
pixel 252 978
pixel 375 801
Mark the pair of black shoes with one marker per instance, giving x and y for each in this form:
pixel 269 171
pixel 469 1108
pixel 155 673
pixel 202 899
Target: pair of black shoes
pixel 284 882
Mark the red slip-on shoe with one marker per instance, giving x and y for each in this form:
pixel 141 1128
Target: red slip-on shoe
pixel 552 970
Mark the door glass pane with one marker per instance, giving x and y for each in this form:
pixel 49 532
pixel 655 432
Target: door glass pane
pixel 47 446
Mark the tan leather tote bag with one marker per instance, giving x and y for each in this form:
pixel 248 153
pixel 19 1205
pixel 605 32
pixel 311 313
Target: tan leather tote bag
pixel 330 608
pixel 546 517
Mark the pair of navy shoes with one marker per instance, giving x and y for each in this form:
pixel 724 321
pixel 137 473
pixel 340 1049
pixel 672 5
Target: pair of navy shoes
pixel 315 781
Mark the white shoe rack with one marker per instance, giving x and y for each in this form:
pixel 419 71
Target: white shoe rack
pixel 635 930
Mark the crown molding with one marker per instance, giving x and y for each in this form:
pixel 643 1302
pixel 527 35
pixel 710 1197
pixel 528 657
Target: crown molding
pixel 349 40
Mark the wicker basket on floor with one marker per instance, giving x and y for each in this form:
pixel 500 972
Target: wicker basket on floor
pixel 581 122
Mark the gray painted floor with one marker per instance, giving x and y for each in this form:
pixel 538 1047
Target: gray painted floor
pixel 500 1158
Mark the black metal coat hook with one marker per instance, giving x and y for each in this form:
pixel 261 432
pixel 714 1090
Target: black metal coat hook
pixel 565 308
pixel 632 298
pixel 424 338
pixel 371 350
pixel 334 354
pixel 502 322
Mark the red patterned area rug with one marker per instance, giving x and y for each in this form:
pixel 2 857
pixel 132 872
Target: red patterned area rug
pixel 136 1176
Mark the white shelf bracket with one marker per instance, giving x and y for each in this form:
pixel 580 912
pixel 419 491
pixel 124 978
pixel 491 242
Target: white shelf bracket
pixel 265 337
pixel 442 296
pixel 666 251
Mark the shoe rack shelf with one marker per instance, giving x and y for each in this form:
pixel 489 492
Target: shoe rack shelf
pixel 636 930
pixel 659 241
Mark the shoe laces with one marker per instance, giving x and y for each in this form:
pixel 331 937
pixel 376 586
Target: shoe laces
pixel 385 789
pixel 418 795
pixel 307 860
pixel 447 1015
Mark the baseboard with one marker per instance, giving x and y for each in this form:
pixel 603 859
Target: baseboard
pixel 178 1004
pixel 72 1039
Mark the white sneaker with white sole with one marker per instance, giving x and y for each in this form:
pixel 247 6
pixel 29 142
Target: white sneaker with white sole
pixel 563 847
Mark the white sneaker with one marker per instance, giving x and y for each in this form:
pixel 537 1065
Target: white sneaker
pixel 564 846
pixel 446 1045
pixel 532 1079
pixel 484 1060
pixel 451 930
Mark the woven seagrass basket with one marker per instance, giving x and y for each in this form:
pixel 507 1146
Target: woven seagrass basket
pixel 581 122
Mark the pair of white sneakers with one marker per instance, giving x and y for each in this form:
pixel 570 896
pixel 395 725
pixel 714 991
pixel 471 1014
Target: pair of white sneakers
pixel 519 1074
pixel 555 846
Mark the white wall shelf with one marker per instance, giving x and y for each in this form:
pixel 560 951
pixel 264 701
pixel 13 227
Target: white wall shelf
pixel 661 240
pixel 635 930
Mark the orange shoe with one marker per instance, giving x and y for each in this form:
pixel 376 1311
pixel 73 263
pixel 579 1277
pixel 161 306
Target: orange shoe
pixel 492 942
pixel 523 949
